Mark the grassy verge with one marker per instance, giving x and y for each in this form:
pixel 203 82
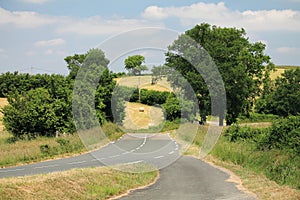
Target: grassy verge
pixel 270 174
pixel 89 183
pixel 42 148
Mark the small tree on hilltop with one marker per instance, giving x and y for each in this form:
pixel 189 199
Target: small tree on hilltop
pixel 134 64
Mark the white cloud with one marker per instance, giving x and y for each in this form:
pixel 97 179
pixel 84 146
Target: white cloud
pixel 288 50
pixel 99 26
pixel 24 19
pixel 35 1
pixel 219 14
pixel 47 43
pixel 2 51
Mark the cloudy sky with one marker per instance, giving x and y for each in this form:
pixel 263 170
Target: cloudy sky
pixel 36 35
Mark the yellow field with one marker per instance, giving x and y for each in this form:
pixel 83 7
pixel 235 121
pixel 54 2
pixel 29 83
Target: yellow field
pixel 144 82
pixel 3 102
pixel 134 119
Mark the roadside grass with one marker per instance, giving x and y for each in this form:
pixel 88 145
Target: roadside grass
pixel 256 168
pixel 43 148
pixel 87 183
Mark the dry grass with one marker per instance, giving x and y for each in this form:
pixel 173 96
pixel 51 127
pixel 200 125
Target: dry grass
pixel 144 82
pixel 3 102
pixel 89 183
pixel 134 120
pixel 24 151
pixel 258 184
pixel 277 73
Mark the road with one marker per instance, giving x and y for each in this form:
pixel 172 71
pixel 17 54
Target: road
pixel 181 177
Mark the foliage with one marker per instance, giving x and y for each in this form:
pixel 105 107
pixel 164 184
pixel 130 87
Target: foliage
pixel 284 99
pixel 37 113
pixel 158 72
pixel 178 108
pixel 134 64
pixel 243 66
pixel 151 97
pixel 94 85
pixel 257 117
pixel 16 82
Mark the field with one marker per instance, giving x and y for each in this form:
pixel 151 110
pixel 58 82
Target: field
pixel 144 82
pixel 134 119
pixel 280 70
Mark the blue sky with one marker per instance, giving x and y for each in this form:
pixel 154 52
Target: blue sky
pixel 40 33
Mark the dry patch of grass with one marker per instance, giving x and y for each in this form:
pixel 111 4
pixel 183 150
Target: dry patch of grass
pixel 277 73
pixel 88 183
pixel 264 188
pixel 144 82
pixel 134 119
pixel 3 102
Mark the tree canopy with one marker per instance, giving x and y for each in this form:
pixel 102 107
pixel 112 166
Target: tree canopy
pixel 134 64
pixel 243 66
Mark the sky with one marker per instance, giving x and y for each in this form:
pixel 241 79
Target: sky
pixel 36 35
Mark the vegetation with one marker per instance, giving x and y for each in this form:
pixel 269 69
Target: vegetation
pixel 89 183
pixel 134 64
pixel 243 66
pixel 284 98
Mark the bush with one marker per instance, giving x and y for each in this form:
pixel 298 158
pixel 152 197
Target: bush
pixel 152 97
pixel 37 113
pixel 243 133
pixel 285 135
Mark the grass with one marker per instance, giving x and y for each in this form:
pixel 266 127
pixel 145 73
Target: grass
pixel 135 120
pixel 88 183
pixel 254 167
pixel 28 151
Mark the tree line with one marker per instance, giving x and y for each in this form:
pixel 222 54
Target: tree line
pixel 42 104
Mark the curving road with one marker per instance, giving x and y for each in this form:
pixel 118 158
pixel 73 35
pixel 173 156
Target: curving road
pixel 181 177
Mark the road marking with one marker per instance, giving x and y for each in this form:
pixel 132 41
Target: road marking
pixel 134 162
pixel 171 152
pixel 176 148
pixel 75 163
pixel 159 157
pixel 126 152
pixel 114 156
pixel 46 166
pixel 13 170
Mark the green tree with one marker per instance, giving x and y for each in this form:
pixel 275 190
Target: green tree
pixel 284 98
pixel 134 64
pixel 242 65
pixel 37 113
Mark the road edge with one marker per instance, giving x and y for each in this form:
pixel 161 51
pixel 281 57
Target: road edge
pixel 137 188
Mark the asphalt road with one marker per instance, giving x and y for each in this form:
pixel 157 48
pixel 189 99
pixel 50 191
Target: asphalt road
pixel 157 149
pixel 181 177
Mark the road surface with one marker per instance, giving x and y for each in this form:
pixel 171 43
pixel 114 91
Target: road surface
pixel 181 177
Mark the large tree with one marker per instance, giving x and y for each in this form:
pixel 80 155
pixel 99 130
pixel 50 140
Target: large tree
pixel 243 66
pixel 134 64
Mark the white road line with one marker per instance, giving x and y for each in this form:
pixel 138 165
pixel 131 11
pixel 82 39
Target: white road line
pixel 137 148
pixel 134 162
pixel 159 157
pixel 12 170
pixel 114 156
pixel 126 152
pixel 176 148
pixel 46 166
pixel 75 163
pixel 171 152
